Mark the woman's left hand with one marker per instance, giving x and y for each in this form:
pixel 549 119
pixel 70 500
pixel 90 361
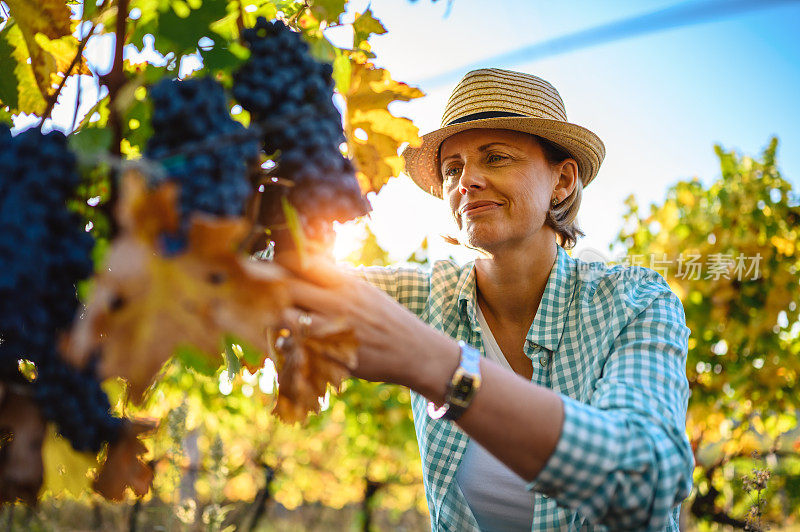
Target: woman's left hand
pixel 393 344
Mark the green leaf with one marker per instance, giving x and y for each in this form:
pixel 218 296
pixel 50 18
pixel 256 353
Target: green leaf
pixel 328 10
pixel 197 360
pixel 321 49
pixel 6 117
pixel 90 141
pixel 183 31
pixel 222 57
pixel 8 82
pixel 295 228
pixel 232 364
pixel 364 26
pixel 89 9
pixel 138 124
pixel 342 72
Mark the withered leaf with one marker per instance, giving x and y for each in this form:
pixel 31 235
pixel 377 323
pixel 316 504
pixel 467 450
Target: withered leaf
pixel 144 305
pixel 22 430
pixel 123 467
pixel 306 364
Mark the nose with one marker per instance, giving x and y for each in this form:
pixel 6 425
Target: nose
pixel 471 179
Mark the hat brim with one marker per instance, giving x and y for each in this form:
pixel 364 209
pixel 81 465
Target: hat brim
pixel 422 164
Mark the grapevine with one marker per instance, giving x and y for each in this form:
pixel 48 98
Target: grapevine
pixel 186 184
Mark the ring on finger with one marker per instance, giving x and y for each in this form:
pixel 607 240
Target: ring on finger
pixel 304 320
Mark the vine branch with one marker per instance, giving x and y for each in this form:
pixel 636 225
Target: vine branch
pixel 53 98
pixel 115 79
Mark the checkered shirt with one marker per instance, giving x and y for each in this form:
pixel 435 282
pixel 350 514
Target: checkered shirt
pixel 612 341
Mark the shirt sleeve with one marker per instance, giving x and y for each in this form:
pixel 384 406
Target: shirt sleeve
pixel 623 460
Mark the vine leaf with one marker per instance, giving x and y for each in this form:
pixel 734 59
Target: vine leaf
pixel 41 32
pixel 145 305
pixel 307 363
pixel 29 97
pixel 364 26
pixel 375 135
pixel 328 10
pixel 49 17
pixel 65 469
pixel 23 429
pixel 123 467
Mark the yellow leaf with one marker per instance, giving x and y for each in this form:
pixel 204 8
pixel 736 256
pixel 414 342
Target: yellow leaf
pixel 65 469
pixel 50 17
pixel 783 245
pixel 375 135
pixel 63 52
pixel 30 98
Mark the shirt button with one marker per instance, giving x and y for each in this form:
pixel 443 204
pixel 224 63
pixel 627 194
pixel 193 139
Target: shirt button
pixel 544 359
pixel 531 345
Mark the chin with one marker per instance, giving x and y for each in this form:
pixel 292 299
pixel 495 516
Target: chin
pixel 483 238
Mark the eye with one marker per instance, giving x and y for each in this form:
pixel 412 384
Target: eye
pixel 451 171
pixel 495 158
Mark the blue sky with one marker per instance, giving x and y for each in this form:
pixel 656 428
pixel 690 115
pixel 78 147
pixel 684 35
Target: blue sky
pixel 659 101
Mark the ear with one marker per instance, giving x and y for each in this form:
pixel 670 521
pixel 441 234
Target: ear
pixel 566 176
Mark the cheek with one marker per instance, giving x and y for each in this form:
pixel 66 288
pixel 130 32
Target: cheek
pixel 453 199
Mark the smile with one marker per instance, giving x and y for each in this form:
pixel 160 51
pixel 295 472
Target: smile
pixel 478 207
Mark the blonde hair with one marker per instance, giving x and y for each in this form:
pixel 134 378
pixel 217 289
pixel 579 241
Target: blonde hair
pixel 563 218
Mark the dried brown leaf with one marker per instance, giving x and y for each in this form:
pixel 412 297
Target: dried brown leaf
pixel 22 428
pixel 145 305
pixel 307 364
pixel 123 467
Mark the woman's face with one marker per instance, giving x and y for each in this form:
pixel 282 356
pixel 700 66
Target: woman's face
pixel 499 185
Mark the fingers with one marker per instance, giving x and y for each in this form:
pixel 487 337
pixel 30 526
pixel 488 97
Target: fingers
pixel 312 297
pixel 313 267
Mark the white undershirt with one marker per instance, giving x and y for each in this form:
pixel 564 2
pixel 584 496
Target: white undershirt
pixel 495 494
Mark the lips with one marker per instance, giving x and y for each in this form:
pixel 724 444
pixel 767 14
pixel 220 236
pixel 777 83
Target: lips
pixel 477 206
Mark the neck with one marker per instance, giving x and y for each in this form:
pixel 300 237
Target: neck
pixel 511 281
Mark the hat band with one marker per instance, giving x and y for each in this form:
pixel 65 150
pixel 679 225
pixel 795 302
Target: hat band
pixel 480 116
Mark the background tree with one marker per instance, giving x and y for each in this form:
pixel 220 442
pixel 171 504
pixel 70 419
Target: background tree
pixel 730 251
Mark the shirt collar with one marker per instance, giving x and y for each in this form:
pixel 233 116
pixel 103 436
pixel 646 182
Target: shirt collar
pixel 548 325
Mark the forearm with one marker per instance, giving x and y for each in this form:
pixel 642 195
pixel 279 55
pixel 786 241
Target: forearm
pixel 516 420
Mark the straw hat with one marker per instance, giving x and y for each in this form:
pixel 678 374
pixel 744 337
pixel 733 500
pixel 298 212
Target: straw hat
pixel 491 98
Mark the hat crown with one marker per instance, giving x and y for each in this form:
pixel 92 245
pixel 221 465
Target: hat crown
pixel 502 91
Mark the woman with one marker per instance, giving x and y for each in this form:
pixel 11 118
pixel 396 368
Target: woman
pixel 574 417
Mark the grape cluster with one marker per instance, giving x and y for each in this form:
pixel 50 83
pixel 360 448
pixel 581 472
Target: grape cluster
pixel 44 252
pixel 201 147
pixel 290 97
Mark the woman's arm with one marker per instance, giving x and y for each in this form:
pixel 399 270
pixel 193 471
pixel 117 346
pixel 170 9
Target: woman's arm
pixel 623 460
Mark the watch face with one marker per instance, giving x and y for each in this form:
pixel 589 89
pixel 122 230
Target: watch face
pixel 464 387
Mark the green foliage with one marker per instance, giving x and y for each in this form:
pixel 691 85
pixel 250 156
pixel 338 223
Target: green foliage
pixel 730 251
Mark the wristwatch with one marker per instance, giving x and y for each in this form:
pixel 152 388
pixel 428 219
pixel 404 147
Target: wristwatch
pixel 462 386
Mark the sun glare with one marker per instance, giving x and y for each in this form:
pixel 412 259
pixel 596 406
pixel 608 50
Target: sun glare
pixel 349 237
